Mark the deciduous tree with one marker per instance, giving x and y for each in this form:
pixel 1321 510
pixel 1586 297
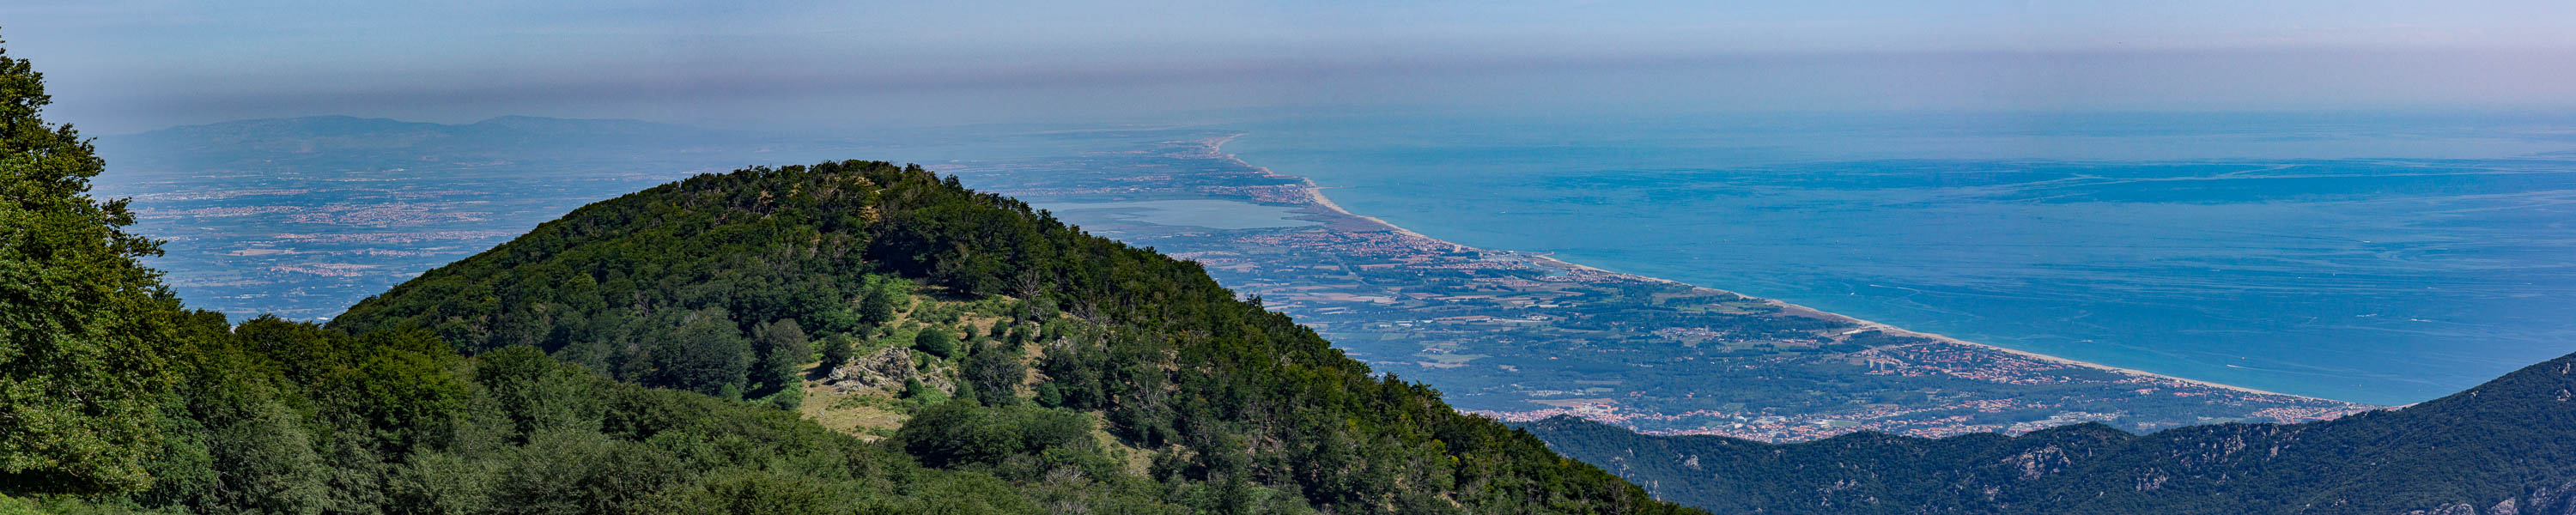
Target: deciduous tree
pixel 80 317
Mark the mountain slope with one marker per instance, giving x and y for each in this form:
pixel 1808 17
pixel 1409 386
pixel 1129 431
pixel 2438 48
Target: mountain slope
pixel 674 286
pixel 2508 446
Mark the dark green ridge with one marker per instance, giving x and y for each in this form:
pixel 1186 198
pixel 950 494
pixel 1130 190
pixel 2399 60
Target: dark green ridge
pixel 2508 446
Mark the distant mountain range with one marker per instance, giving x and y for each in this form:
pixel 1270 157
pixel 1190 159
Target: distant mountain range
pixel 344 136
pixel 2507 447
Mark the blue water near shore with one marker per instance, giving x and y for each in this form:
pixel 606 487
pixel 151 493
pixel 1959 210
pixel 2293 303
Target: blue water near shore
pixel 2374 258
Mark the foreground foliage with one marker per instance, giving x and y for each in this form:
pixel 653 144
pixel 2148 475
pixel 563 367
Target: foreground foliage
pixel 79 316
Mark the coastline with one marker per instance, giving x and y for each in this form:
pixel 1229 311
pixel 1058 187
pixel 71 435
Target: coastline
pixel 1315 194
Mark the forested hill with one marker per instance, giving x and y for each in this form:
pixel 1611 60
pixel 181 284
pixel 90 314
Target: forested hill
pixel 635 357
pixel 715 284
pixel 2506 447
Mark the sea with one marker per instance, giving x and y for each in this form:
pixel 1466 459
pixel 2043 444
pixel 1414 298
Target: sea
pixel 2385 258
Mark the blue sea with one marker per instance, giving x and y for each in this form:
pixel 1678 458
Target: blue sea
pixel 2380 258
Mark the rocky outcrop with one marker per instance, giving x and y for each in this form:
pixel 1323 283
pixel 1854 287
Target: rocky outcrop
pixel 885 370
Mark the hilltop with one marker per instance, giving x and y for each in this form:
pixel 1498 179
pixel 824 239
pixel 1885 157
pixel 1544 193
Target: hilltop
pixel 704 285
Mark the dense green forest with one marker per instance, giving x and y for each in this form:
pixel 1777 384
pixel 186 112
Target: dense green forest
pixel 716 284
pixel 2508 446
pixel 644 355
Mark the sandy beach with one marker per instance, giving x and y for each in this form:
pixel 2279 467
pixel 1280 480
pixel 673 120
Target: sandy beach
pixel 1316 194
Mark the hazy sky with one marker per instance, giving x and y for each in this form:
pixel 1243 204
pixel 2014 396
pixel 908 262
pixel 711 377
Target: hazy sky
pixel 128 65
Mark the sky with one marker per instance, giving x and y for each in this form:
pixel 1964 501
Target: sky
pixel 118 66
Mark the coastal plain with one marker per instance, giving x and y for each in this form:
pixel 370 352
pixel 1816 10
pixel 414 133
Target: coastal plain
pixel 1523 337
pixel 1513 335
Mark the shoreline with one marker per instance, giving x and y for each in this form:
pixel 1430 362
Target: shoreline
pixel 1315 194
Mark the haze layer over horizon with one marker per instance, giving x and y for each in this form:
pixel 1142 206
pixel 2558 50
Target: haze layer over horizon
pixel 127 66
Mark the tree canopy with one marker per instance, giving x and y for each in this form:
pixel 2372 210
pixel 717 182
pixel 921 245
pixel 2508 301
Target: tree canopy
pixel 678 286
pixel 80 316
